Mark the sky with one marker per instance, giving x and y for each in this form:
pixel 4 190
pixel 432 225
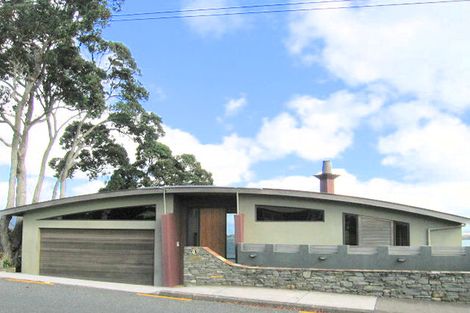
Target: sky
pixel 261 100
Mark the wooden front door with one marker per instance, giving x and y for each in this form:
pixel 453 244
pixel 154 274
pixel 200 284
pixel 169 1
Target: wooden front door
pixel 212 229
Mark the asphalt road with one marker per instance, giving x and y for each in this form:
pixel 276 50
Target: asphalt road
pixel 29 297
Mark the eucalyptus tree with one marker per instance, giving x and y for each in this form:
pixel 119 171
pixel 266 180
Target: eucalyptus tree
pixel 120 112
pixel 42 68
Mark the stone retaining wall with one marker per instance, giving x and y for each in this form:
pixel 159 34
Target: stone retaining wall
pixel 202 266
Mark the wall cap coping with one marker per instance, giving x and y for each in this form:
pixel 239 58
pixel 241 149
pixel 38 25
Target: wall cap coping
pixel 251 267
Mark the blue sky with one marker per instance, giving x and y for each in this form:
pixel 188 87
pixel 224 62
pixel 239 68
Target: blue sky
pixel 261 100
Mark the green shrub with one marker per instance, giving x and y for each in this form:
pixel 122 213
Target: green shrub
pixel 6 263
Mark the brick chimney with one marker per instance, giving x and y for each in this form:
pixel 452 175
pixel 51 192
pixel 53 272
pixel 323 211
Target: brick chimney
pixel 327 179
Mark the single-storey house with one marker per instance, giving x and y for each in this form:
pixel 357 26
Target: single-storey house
pixel 137 236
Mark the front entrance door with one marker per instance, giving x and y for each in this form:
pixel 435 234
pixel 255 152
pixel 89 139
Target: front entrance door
pixel 207 228
pixel 212 225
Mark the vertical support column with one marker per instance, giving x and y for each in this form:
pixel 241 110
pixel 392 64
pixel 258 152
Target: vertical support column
pixel 239 231
pixel 239 228
pixel 170 262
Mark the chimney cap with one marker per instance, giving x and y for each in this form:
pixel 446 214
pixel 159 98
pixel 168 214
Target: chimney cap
pixel 326 167
pixel 326 171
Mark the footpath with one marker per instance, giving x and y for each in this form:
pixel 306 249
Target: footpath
pixel 308 301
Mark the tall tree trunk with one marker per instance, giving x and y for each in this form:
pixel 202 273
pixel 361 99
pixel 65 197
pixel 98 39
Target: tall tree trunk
pixel 56 189
pixel 53 133
pixel 63 181
pixel 70 157
pixel 42 172
pixel 21 178
pixel 5 237
pixel 21 181
pixel 12 180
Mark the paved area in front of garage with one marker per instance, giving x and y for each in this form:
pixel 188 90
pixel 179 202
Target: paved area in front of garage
pixel 30 293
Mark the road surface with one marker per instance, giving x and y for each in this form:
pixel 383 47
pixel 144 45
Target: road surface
pixel 20 296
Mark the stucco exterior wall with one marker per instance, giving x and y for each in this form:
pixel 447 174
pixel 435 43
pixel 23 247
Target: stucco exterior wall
pixel 35 220
pixel 330 231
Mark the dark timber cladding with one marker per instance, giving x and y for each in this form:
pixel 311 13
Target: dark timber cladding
pixel 124 256
pixel 374 231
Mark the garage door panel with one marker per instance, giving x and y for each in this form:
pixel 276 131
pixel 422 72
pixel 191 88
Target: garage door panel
pixel 99 254
pixel 96 246
pixel 97 269
pixel 90 234
pixel 84 259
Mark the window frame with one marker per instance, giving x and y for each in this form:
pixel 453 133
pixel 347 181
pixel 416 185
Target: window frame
pixel 258 206
pixel 68 216
pixel 344 228
pixel 408 229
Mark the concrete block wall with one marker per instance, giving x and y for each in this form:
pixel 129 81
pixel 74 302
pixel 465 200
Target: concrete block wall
pixel 202 266
pixel 356 257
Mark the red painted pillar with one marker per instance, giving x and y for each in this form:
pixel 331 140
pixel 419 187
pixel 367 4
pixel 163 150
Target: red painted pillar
pixel 239 228
pixel 170 256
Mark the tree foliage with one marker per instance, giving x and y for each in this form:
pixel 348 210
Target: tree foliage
pixel 156 166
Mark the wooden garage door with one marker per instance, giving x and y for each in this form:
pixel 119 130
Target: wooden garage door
pixel 124 256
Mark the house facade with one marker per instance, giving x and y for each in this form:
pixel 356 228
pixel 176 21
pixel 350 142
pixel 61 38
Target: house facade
pixel 137 236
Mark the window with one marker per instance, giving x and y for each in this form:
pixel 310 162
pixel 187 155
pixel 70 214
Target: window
pixel 284 214
pixel 350 229
pixel 402 233
pixel 140 213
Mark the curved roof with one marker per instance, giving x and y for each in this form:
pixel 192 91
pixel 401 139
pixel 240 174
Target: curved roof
pixel 237 190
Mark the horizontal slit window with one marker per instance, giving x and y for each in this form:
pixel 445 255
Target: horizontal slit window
pixel 287 214
pixel 138 213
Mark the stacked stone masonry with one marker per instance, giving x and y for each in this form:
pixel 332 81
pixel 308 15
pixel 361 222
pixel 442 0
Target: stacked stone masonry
pixel 203 267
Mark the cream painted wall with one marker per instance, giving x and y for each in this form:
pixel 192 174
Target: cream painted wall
pixel 442 238
pixel 330 232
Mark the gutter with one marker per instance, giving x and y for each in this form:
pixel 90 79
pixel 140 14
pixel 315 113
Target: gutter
pixel 431 229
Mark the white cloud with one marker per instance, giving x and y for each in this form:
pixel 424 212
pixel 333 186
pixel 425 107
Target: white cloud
pixel 422 51
pixel 310 128
pixel 446 196
pixel 214 26
pixel 306 183
pixel 426 144
pixel 314 128
pixel 228 161
pixel 87 187
pixel 233 106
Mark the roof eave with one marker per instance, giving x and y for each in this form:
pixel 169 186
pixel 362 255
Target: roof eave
pixel 18 211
